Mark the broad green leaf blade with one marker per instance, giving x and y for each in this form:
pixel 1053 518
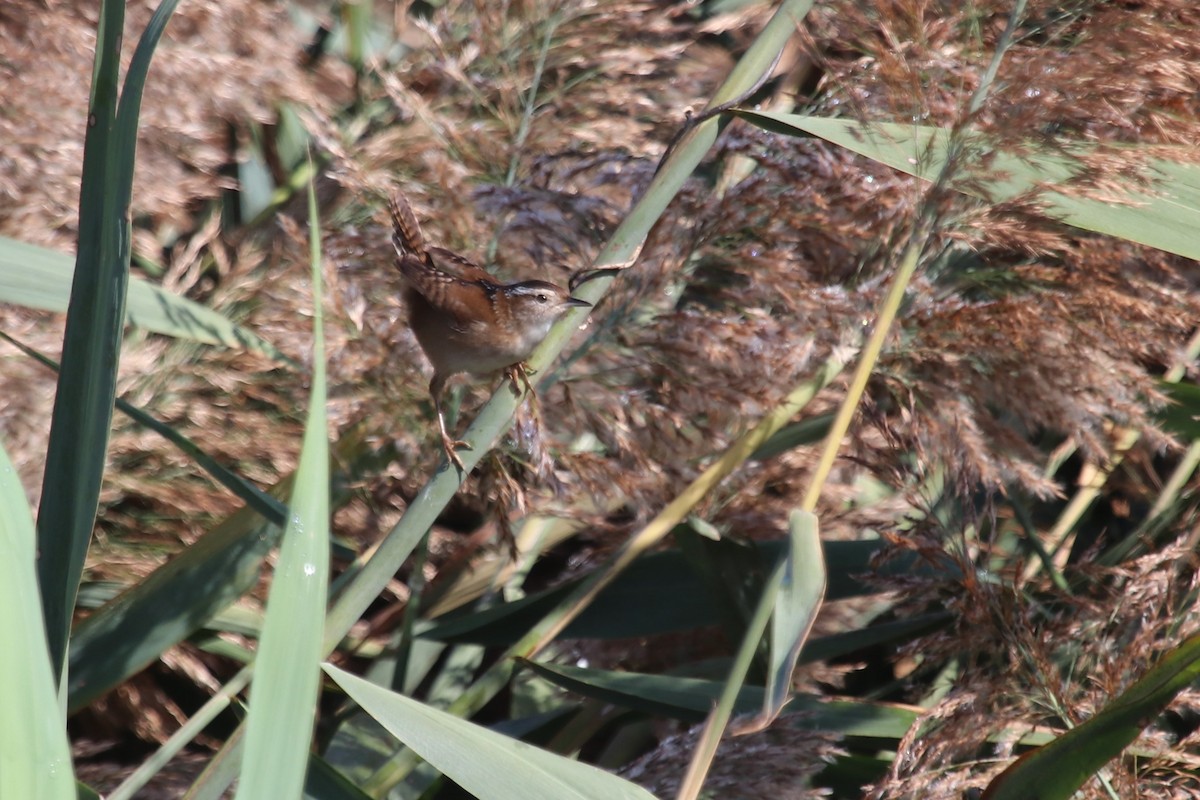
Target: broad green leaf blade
pixel 1056 770
pixel 324 782
pixel 83 402
pixel 796 605
pixel 690 700
pixel 886 634
pixel 643 600
pixel 35 756
pixel 489 765
pixel 125 635
pixel 283 696
pixel 1165 216
pixel 37 277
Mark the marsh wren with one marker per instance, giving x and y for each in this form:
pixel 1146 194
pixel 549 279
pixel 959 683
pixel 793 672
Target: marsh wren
pixel 464 319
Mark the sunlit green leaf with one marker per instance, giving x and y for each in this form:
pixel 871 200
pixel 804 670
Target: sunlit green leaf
pixel 1164 215
pixel 796 605
pixel 283 696
pixel 35 756
pixel 37 277
pixel 489 765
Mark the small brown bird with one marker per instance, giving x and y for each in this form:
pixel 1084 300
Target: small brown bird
pixel 464 319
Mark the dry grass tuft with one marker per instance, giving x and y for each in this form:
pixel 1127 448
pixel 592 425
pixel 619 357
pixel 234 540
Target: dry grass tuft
pixel 779 762
pixel 220 65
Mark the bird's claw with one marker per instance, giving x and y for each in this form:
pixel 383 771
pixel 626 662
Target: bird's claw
pixel 451 446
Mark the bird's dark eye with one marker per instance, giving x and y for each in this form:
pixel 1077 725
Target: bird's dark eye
pixel 542 298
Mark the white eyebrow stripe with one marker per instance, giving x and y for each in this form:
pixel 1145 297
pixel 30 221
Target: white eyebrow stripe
pixel 531 288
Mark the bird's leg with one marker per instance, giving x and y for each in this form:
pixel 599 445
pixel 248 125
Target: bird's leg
pixel 449 445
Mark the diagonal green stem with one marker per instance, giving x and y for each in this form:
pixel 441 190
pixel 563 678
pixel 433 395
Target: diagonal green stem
pixel 621 251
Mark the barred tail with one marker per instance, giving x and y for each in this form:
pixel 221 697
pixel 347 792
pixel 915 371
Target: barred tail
pixel 406 231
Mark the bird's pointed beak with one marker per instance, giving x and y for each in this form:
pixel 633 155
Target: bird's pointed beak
pixel 575 301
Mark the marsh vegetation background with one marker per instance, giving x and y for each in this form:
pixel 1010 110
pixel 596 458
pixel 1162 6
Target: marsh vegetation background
pixel 977 599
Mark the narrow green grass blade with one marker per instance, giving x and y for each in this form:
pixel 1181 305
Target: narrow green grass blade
pixel 35 756
pixel 489 765
pixel 270 508
pixel 37 277
pixel 283 696
pixel 1165 217
pixel 1057 770
pixel 83 403
pixel 129 108
pixel 796 605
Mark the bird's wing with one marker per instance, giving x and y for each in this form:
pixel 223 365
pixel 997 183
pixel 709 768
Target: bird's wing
pixel 453 264
pixel 452 295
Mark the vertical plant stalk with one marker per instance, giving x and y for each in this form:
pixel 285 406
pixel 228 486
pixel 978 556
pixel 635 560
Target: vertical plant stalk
pixel 283 699
pixel 1060 537
pixel 356 18
pixel 83 402
pixel 922 231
